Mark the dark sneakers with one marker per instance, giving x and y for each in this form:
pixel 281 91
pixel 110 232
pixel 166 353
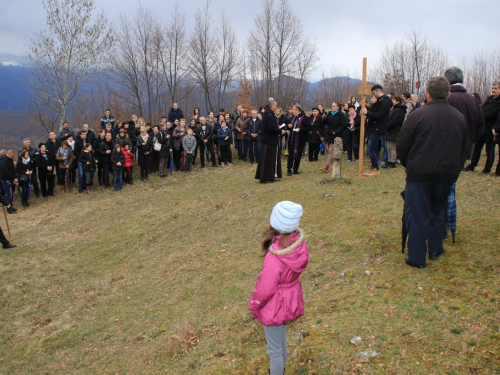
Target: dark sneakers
pixel 9 246
pixel 414 265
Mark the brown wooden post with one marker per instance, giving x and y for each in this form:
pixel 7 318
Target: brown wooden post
pixel 364 91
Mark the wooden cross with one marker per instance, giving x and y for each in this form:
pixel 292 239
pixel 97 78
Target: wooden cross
pixel 364 91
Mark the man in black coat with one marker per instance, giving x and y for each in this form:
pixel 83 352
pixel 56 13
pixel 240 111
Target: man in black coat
pixel 106 148
pixel 378 117
pixel 253 135
pixel 491 108
pixel 53 145
pixel 432 146
pixel 298 131
pixel 467 105
pixel 175 113
pixel 204 135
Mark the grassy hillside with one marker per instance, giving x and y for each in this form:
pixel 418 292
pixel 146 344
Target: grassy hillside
pixel 17 125
pixel 156 279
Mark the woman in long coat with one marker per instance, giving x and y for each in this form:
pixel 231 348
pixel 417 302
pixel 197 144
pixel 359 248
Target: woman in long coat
pixel 269 166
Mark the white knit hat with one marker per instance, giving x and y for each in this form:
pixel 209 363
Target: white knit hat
pixel 286 216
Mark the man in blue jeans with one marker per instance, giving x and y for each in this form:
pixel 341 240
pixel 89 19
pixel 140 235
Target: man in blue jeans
pixel 378 121
pixel 432 147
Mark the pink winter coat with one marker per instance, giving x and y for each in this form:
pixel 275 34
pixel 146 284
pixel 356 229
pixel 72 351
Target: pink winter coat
pixel 277 298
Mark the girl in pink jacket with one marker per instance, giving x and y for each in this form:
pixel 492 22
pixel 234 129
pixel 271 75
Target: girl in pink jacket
pixel 277 298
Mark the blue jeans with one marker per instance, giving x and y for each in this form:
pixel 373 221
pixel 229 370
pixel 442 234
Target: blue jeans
pixel 7 187
pixel 425 206
pixel 373 140
pixel 254 149
pixel 117 179
pixel 81 177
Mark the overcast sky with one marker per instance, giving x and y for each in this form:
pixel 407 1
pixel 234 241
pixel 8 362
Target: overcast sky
pixel 345 32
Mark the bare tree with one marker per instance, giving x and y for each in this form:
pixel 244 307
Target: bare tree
pixel 408 61
pixel 172 46
pixel 284 58
pixel 68 54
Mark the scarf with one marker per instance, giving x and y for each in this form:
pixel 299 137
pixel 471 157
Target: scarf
pixel 72 144
pixel 26 161
pixel 145 137
pixel 352 117
pixel 334 113
pixel 64 152
pixel 297 122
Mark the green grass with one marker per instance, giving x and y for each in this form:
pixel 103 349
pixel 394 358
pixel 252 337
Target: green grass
pixel 156 279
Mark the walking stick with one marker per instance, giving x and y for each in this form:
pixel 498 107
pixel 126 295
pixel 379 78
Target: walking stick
pixel 7 221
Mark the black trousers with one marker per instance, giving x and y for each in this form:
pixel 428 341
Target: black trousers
pixel 313 151
pixel 43 183
pixel 177 158
pixel 155 161
pixel 144 161
pixel 486 139
pixel 100 166
pixel 294 163
pixel 3 240
pixel 106 169
pixel 210 148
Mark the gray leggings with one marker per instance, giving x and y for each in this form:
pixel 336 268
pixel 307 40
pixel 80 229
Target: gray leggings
pixel 276 348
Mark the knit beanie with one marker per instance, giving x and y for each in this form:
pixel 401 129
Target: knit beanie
pixel 286 216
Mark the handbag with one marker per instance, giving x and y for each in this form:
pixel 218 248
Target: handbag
pixel 23 177
pixel 157 146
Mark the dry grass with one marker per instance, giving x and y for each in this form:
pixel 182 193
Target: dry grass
pixel 156 279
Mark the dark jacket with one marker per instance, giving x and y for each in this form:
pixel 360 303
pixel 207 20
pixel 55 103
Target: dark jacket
pixel 269 130
pixel 32 153
pixel 315 132
pixel 175 114
pixel 221 134
pixel 122 141
pixel 378 116
pixel 21 169
pixel 204 134
pixel 396 120
pixel 79 146
pixel 90 136
pixel 166 144
pixel 63 134
pixel 497 129
pixel 43 161
pixel 491 108
pixel 253 127
pixel 105 146
pixel 334 126
pixel 88 161
pixel 52 147
pixel 470 108
pixel 432 143
pixel 142 146
pixel 7 169
pixel 97 147
pixel 117 157
pixel 107 120
pixel 303 133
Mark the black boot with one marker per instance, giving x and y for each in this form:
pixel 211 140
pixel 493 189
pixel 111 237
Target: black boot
pixel 289 172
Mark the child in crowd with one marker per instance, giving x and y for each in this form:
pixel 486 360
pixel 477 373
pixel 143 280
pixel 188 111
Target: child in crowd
pixel 277 298
pixel 189 144
pixel 127 164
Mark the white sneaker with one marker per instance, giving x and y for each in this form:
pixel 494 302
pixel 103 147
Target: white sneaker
pixel 222 164
pixel 229 163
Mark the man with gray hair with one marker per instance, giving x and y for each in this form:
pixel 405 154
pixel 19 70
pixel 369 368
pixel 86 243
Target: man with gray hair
pixel 466 104
pixel 432 146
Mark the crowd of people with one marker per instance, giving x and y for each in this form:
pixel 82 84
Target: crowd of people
pixel 72 158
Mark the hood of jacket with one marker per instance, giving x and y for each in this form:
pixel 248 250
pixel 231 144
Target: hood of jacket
pixel 295 256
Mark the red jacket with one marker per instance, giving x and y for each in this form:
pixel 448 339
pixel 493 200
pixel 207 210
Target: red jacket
pixel 128 158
